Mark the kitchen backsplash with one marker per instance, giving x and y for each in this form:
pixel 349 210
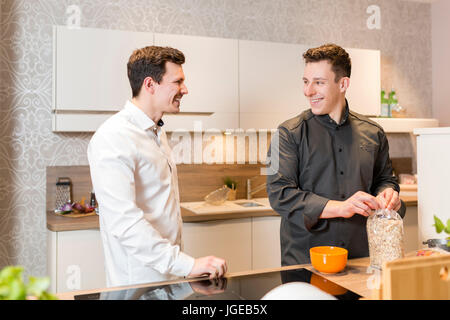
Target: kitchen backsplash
pixel 28 144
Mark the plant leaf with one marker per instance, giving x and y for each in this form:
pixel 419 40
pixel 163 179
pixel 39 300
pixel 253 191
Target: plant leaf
pixel 17 290
pixel 447 228
pixel 9 273
pixel 229 182
pixel 47 296
pixel 11 283
pixel 438 224
pixel 4 291
pixel 36 286
pixel 12 286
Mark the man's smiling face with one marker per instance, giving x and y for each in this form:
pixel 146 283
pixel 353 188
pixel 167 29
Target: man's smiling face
pixel 170 90
pixel 325 95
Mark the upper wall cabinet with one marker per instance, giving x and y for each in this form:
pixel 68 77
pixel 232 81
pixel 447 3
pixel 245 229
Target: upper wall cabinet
pixel 211 72
pixel 90 75
pixel 231 83
pixel 270 82
pixel 271 85
pixel 363 95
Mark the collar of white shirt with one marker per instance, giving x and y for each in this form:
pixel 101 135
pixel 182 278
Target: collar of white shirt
pixel 140 119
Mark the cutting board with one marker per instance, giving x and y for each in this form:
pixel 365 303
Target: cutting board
pixel 201 207
pixel 417 278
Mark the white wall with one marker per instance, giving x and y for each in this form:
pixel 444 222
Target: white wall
pixel 440 49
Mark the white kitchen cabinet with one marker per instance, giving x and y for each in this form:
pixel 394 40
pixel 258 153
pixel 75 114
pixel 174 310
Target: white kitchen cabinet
pixel 266 252
pixel 246 244
pixel 90 74
pixel 227 239
pixel 232 83
pixel 271 85
pixel 75 260
pixel 211 71
pixel 433 176
pixel 363 95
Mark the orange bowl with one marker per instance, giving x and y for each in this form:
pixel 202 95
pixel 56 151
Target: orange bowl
pixel 328 259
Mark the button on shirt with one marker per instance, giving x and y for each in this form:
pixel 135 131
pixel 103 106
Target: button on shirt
pixel 136 186
pixel 320 160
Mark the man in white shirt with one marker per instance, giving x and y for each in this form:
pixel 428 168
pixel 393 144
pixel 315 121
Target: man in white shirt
pixel 135 179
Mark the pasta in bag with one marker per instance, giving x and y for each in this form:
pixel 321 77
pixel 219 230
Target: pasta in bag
pixel 385 236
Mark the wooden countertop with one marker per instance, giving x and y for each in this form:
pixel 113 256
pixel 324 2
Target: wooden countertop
pixel 356 277
pixel 60 223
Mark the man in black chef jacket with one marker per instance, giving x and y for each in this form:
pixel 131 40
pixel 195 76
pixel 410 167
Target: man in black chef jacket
pixel 334 166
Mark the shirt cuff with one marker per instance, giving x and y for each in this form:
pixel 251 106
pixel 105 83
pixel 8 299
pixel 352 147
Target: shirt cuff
pixel 312 212
pixel 183 265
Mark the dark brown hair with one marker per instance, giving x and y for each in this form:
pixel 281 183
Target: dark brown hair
pixel 337 56
pixel 150 62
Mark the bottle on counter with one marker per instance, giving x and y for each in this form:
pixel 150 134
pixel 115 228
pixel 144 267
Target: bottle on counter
pixel 393 102
pixel 93 201
pixel 384 104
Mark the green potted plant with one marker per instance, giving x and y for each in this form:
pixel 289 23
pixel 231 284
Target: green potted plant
pixel 440 243
pixel 12 286
pixel 232 185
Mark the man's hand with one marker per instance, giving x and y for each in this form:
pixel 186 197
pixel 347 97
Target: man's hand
pixel 390 199
pixel 210 265
pixel 360 203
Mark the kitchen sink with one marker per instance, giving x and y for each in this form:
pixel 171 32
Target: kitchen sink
pixel 249 204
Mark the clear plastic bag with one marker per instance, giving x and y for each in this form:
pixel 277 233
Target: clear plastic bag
pixel 385 235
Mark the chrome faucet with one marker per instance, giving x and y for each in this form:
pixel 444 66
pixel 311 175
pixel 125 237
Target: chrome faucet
pixel 251 191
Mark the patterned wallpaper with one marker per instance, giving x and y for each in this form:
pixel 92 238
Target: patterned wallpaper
pixel 28 146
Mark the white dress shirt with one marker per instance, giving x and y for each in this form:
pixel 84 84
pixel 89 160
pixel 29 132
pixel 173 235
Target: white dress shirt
pixel 135 182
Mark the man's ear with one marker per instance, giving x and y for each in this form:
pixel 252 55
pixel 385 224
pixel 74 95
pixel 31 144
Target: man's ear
pixel 148 85
pixel 344 83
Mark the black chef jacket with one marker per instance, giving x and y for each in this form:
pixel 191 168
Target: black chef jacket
pixel 320 160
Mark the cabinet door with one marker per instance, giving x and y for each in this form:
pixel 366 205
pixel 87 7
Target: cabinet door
pixel 363 95
pixel 79 260
pixel 271 86
pixel 90 67
pixel 270 83
pixel 433 159
pixel 227 239
pixel 90 81
pixel 211 71
pixel 266 242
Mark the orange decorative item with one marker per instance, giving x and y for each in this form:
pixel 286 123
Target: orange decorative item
pixel 328 259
